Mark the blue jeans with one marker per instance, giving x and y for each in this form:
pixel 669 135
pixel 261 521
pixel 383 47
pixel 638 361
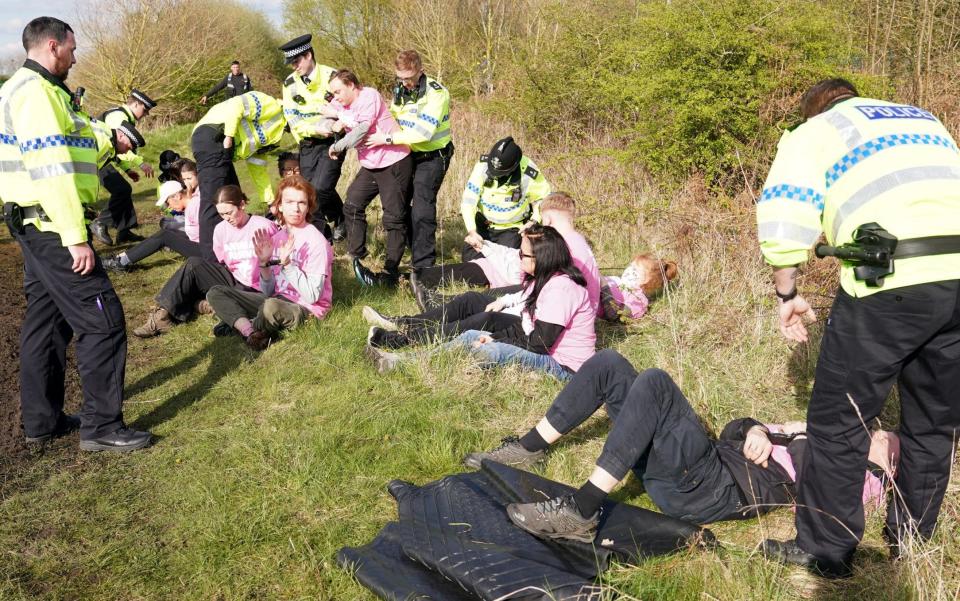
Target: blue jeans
pixel 495 353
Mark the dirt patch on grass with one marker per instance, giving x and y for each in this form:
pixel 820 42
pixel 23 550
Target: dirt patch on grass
pixel 13 448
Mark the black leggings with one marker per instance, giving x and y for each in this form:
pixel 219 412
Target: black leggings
pixel 655 432
pixel 438 275
pixel 465 312
pixel 175 240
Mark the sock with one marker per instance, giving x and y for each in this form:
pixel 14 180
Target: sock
pixel 533 442
pixel 589 498
pixel 124 259
pixel 243 326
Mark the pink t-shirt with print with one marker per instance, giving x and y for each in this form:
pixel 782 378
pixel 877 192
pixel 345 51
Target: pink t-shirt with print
pixel 584 260
pixel 234 248
pixel 564 302
pixel 191 218
pixel 370 107
pixel 314 256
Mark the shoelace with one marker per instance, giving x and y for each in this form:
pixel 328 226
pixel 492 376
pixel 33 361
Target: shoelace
pixel 554 505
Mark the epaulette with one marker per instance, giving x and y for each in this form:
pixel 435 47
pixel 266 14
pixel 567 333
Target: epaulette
pixel 435 85
pixel 288 81
pixel 531 172
pixel 483 158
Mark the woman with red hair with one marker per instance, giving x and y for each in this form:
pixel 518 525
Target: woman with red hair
pixel 295 272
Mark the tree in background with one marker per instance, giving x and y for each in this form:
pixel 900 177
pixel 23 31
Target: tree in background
pixel 174 50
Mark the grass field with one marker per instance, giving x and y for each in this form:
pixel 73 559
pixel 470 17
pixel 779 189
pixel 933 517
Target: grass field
pixel 265 465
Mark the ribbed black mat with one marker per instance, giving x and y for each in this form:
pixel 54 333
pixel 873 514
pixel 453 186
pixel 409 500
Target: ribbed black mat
pixel 453 541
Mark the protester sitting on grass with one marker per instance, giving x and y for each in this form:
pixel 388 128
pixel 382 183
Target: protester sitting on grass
pixel 547 326
pixel 185 292
pixel 169 170
pixel 499 266
pixel 753 468
pixel 180 232
pixel 627 296
pixel 296 267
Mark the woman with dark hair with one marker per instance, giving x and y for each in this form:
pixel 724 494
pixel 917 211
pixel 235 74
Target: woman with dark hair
pixel 185 292
pixel 169 169
pixel 552 325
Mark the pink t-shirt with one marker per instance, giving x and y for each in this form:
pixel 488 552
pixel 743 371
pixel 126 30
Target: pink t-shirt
pixel 635 301
pixel 191 218
pixel 584 260
pixel 234 248
pixel 314 256
pixel 370 107
pixel 564 302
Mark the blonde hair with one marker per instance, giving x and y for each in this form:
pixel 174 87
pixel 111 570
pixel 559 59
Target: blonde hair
pixel 408 59
pixel 559 201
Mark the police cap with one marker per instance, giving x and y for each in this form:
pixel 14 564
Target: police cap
pixel 143 98
pixel 504 158
pixel 136 138
pixel 296 47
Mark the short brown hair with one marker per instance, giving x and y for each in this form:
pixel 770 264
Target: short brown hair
pixel 408 59
pixel 347 76
pixel 42 29
pixel 231 194
pixel 297 182
pixel 824 94
pixel 559 201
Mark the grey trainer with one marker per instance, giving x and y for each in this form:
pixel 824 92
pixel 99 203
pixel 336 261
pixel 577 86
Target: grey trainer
pixel 510 452
pixel 375 318
pixel 555 518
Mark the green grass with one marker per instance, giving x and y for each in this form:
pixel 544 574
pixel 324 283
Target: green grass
pixel 266 465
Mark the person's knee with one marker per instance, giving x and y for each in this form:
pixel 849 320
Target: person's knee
pixel 655 377
pixel 193 262
pixel 216 294
pixel 273 311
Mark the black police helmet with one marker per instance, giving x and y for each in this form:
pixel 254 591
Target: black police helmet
pixel 504 158
pixel 168 158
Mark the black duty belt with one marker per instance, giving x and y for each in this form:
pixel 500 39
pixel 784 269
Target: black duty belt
pixel 31 212
pixel 432 154
pixel 924 247
pixel 311 142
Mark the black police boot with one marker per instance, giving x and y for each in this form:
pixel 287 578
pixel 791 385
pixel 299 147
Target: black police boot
pixel 122 440
pixel 128 236
pixel 65 425
pixel 789 552
pixel 100 232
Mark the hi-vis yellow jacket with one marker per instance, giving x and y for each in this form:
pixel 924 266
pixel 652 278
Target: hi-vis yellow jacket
pixel 863 161
pixel 113 118
pixel 507 206
pixel 425 124
pixel 302 102
pixel 103 134
pixel 48 153
pixel 255 122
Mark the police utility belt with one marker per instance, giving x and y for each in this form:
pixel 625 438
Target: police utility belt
pixel 874 250
pixel 446 151
pixel 14 216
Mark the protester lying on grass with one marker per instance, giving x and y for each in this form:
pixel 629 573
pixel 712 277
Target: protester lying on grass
pixel 499 267
pixel 628 296
pixel 180 231
pixel 295 272
pixel 185 292
pixel 546 326
pixel 753 468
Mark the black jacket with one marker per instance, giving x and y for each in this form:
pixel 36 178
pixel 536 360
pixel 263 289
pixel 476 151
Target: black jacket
pixel 234 84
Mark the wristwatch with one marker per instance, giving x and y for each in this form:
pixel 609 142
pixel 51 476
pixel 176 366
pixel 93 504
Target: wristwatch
pixel 389 140
pixel 270 263
pixel 788 296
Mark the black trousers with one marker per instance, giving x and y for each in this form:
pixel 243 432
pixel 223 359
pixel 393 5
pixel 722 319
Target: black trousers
pixel 509 237
pixel 175 240
pixel 119 211
pixel 655 432
pixel 214 170
pixel 464 312
pixel 429 169
pixel 61 304
pixel 391 183
pixel 323 173
pixel 909 335
pixel 191 283
pixel 438 275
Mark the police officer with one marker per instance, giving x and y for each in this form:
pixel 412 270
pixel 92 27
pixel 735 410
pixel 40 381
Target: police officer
pixel 421 107
pixel 245 127
pixel 882 180
pixel 119 211
pixel 305 92
pixel 502 194
pixel 234 82
pixel 114 142
pixel 49 154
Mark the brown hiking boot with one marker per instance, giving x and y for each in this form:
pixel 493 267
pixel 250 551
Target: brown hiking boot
pixel 203 307
pixel 158 322
pixel 258 340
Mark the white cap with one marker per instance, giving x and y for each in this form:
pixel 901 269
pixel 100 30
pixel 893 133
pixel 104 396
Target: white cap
pixel 168 189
